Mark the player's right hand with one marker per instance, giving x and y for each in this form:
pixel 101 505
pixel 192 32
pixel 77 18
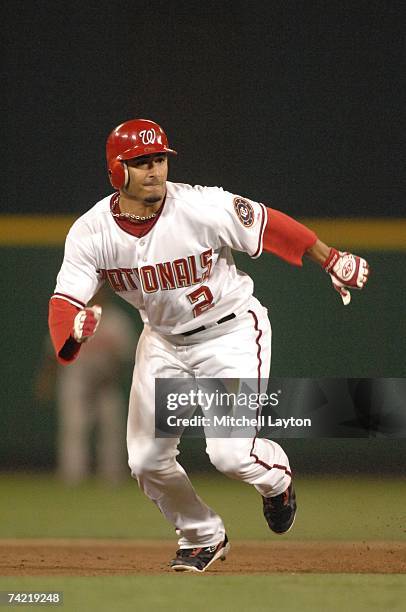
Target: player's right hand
pixel 347 271
pixel 86 323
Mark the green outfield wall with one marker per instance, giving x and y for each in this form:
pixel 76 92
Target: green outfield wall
pixel 313 336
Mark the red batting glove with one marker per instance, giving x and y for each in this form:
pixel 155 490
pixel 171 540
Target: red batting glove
pixel 346 271
pixel 86 323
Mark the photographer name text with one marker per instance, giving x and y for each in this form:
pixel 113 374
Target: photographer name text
pixel 233 421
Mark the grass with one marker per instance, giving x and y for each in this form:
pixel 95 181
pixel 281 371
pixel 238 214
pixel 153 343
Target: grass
pixel 356 508
pixel 289 593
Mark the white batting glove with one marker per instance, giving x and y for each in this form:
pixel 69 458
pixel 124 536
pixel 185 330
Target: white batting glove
pixel 86 323
pixel 346 271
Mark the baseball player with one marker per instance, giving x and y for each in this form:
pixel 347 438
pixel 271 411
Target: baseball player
pixel 166 248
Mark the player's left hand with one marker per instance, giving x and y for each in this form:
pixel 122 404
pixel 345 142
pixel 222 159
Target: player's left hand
pixel 346 271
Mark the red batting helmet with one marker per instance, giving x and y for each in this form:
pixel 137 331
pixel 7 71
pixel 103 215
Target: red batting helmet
pixel 133 138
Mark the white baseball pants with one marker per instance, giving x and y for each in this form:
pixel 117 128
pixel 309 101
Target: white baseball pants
pixel 237 348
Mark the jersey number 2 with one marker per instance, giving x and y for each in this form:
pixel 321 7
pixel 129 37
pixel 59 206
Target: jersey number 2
pixel 203 298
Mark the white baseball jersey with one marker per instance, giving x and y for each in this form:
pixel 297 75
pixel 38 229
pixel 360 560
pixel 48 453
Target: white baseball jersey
pixel 181 273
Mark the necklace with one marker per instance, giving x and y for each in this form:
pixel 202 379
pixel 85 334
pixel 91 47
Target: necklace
pixel 130 216
pixel 133 218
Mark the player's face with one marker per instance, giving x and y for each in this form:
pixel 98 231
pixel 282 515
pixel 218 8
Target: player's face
pixel 147 182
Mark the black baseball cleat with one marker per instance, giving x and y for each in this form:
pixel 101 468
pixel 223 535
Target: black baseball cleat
pixel 280 511
pixel 199 559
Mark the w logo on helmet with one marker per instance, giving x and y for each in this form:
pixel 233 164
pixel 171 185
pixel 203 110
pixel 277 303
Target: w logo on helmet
pixel 148 136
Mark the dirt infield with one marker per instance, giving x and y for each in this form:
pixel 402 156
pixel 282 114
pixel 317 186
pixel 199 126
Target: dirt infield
pixel 127 557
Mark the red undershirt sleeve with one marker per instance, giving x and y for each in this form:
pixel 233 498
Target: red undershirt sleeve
pixel 60 321
pixel 287 238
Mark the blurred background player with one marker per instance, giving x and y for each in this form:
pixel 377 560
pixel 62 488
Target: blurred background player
pixel 90 400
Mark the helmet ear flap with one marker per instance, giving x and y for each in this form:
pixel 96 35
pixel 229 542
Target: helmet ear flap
pixel 118 174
